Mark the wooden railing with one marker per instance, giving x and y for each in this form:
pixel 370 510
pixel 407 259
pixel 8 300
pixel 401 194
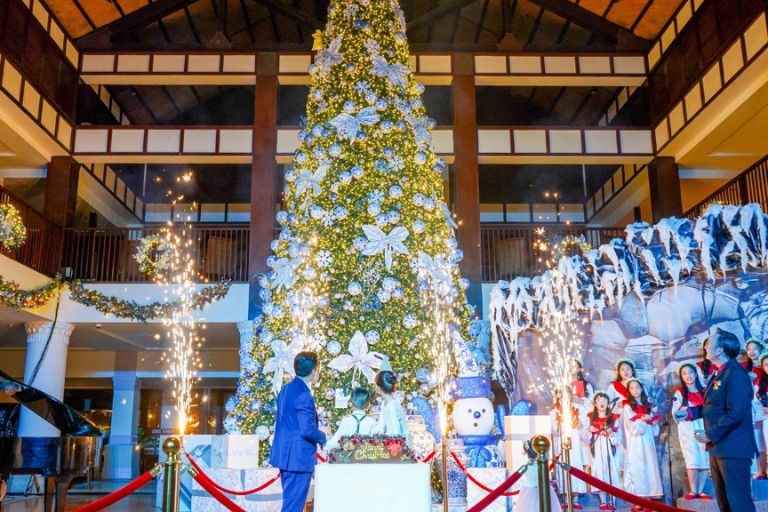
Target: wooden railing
pixel 42 249
pixel 751 186
pixel 508 250
pixel 107 254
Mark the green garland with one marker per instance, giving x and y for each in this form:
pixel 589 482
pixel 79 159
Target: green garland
pixel 111 305
pixel 11 296
pixel 13 234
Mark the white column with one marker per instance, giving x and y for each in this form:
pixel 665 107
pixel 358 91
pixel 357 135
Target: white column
pixel 52 371
pixel 246 341
pixel 121 459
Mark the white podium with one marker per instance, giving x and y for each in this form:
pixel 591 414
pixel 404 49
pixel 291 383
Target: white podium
pixel 372 488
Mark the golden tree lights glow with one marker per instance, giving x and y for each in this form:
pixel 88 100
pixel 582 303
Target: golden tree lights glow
pixel 364 198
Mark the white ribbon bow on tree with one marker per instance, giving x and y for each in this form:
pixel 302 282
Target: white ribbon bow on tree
pixel 358 359
pixel 347 125
pixel 380 242
pixel 284 275
pixel 309 180
pixel 394 73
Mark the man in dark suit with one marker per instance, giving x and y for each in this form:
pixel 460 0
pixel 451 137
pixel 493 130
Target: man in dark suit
pixel 727 414
pixel 296 433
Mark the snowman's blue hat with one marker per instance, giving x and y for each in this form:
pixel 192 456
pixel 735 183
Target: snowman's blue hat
pixel 471 387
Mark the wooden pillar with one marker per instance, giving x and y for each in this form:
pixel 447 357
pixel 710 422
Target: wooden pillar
pixel 264 166
pixel 664 182
pixel 61 191
pixel 466 172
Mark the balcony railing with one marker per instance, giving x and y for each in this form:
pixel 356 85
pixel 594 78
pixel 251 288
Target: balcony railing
pixel 751 186
pixel 43 238
pixel 508 250
pixel 106 255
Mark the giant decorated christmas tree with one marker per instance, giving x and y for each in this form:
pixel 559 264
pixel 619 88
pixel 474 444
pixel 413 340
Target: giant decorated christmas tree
pixel 366 263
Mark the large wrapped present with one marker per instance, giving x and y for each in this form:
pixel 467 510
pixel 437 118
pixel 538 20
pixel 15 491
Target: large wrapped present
pixel 269 499
pixel 235 451
pixel 491 478
pixel 518 430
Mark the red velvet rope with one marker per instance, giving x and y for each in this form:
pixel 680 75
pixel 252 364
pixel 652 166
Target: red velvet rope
pixel 114 497
pixel 429 457
pixel 321 458
pixel 476 482
pixel 208 485
pixel 620 493
pixel 506 484
pixel 230 491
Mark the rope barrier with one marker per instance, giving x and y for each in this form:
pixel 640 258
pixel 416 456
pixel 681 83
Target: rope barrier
pixel 493 495
pixel 321 458
pixel 207 484
pixel 620 493
pixel 230 491
pixel 477 482
pixel 429 457
pixel 123 492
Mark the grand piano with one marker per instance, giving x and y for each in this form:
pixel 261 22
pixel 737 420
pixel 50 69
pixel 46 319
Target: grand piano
pixel 58 459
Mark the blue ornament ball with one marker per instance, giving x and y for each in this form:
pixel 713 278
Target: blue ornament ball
pixel 523 408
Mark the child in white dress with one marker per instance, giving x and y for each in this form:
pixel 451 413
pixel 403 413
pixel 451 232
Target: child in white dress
pixel 601 434
pixel 392 416
pixel 528 497
pixel 686 409
pixel 357 423
pixel 617 394
pixel 641 465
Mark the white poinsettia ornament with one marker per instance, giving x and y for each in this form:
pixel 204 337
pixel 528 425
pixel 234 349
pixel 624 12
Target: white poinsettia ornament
pixel 281 363
pixel 308 180
pixel 387 243
pixel 358 359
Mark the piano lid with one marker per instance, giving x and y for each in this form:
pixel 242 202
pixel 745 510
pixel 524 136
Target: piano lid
pixel 57 413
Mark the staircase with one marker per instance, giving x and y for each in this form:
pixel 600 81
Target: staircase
pixel 751 186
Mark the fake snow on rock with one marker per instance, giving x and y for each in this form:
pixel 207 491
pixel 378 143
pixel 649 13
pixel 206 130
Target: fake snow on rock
pixel 653 295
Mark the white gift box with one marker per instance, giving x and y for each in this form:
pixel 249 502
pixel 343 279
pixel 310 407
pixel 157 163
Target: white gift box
pixel 269 499
pixel 491 478
pixel 228 478
pixel 518 430
pixel 235 451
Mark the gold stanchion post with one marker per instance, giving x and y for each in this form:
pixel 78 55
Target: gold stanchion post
pixel 172 488
pixel 541 445
pixel 445 473
pixel 567 475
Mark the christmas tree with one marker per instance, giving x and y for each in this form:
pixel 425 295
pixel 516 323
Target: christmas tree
pixel 366 263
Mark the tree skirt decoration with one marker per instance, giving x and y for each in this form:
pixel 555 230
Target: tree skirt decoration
pixel 624 273
pixel 13 234
pixel 131 310
pixel 13 297
pixel 366 257
pixel 154 254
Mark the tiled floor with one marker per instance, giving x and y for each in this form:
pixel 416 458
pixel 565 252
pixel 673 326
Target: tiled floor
pixel 142 501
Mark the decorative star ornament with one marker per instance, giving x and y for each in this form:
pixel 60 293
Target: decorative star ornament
pixel 358 359
pixel 380 242
pixel 281 363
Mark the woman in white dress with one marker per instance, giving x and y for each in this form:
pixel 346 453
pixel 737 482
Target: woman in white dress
pixel 687 404
pixel 582 401
pixel 600 432
pixel 617 395
pixel 641 465
pixel 357 423
pixel 392 416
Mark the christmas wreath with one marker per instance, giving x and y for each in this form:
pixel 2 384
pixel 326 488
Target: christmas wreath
pixel 154 254
pixel 12 231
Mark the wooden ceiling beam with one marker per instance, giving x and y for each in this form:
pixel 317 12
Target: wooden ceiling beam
pixel 292 13
pixel 438 12
pixel 623 38
pixel 140 18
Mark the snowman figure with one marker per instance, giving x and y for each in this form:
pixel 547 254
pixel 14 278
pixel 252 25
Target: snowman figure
pixel 473 415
